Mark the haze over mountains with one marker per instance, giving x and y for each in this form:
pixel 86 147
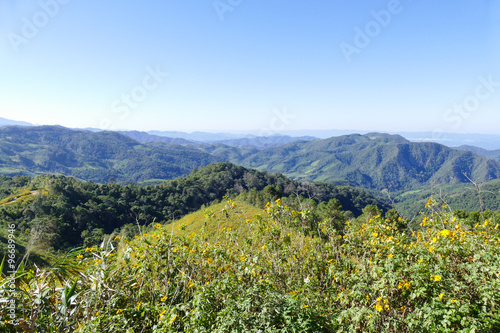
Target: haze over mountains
pixel 245 139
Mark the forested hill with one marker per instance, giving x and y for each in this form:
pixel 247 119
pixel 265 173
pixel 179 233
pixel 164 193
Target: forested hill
pixel 374 161
pixel 95 156
pixel 493 154
pixel 69 212
pixel 377 161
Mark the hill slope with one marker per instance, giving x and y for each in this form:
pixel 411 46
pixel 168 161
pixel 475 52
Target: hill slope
pixel 95 156
pixel 76 212
pixel 377 161
pixel 493 154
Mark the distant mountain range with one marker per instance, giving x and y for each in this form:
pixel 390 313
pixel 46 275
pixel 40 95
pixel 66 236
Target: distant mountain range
pixel 96 156
pixel 255 140
pixel 493 154
pixel 374 161
pixel 8 122
pixel 251 142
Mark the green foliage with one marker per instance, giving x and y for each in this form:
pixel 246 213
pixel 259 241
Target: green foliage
pixel 376 161
pixel 93 156
pixel 62 212
pixel 282 278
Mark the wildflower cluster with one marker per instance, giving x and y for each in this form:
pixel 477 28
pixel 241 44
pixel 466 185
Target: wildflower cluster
pixel 275 272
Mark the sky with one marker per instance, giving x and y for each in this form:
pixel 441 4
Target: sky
pixel 262 65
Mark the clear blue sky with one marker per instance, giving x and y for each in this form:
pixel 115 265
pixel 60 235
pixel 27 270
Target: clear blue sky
pixel 235 67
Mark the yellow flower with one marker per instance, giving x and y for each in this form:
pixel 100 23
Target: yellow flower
pixel 305 306
pixel 437 278
pixel 163 299
pixel 79 256
pixel 441 296
pixel 445 232
pixel 173 318
pixel 390 255
pixel 119 311
pixel 375 234
pixel 378 307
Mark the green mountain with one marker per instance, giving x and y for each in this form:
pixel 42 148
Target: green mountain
pixel 263 142
pixel 493 154
pixel 144 137
pixel 374 160
pixel 95 156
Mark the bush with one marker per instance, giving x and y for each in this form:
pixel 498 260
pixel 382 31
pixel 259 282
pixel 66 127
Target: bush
pixel 286 277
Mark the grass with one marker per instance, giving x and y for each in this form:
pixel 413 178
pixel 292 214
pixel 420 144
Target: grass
pixel 216 219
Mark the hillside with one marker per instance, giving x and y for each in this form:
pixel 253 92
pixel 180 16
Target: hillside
pixel 213 220
pixel 374 161
pixel 493 154
pixel 73 213
pixel 95 156
pixel 263 142
pixel 377 161
pixel 144 137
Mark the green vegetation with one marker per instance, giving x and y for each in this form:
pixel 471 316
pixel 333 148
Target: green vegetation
pixel 376 161
pixel 372 161
pixel 231 249
pixel 288 273
pixel 61 213
pixel 99 157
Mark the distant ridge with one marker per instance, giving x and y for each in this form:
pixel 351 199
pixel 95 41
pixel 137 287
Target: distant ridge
pixel 374 160
pixel 144 137
pixel 96 156
pixel 493 154
pixel 7 122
